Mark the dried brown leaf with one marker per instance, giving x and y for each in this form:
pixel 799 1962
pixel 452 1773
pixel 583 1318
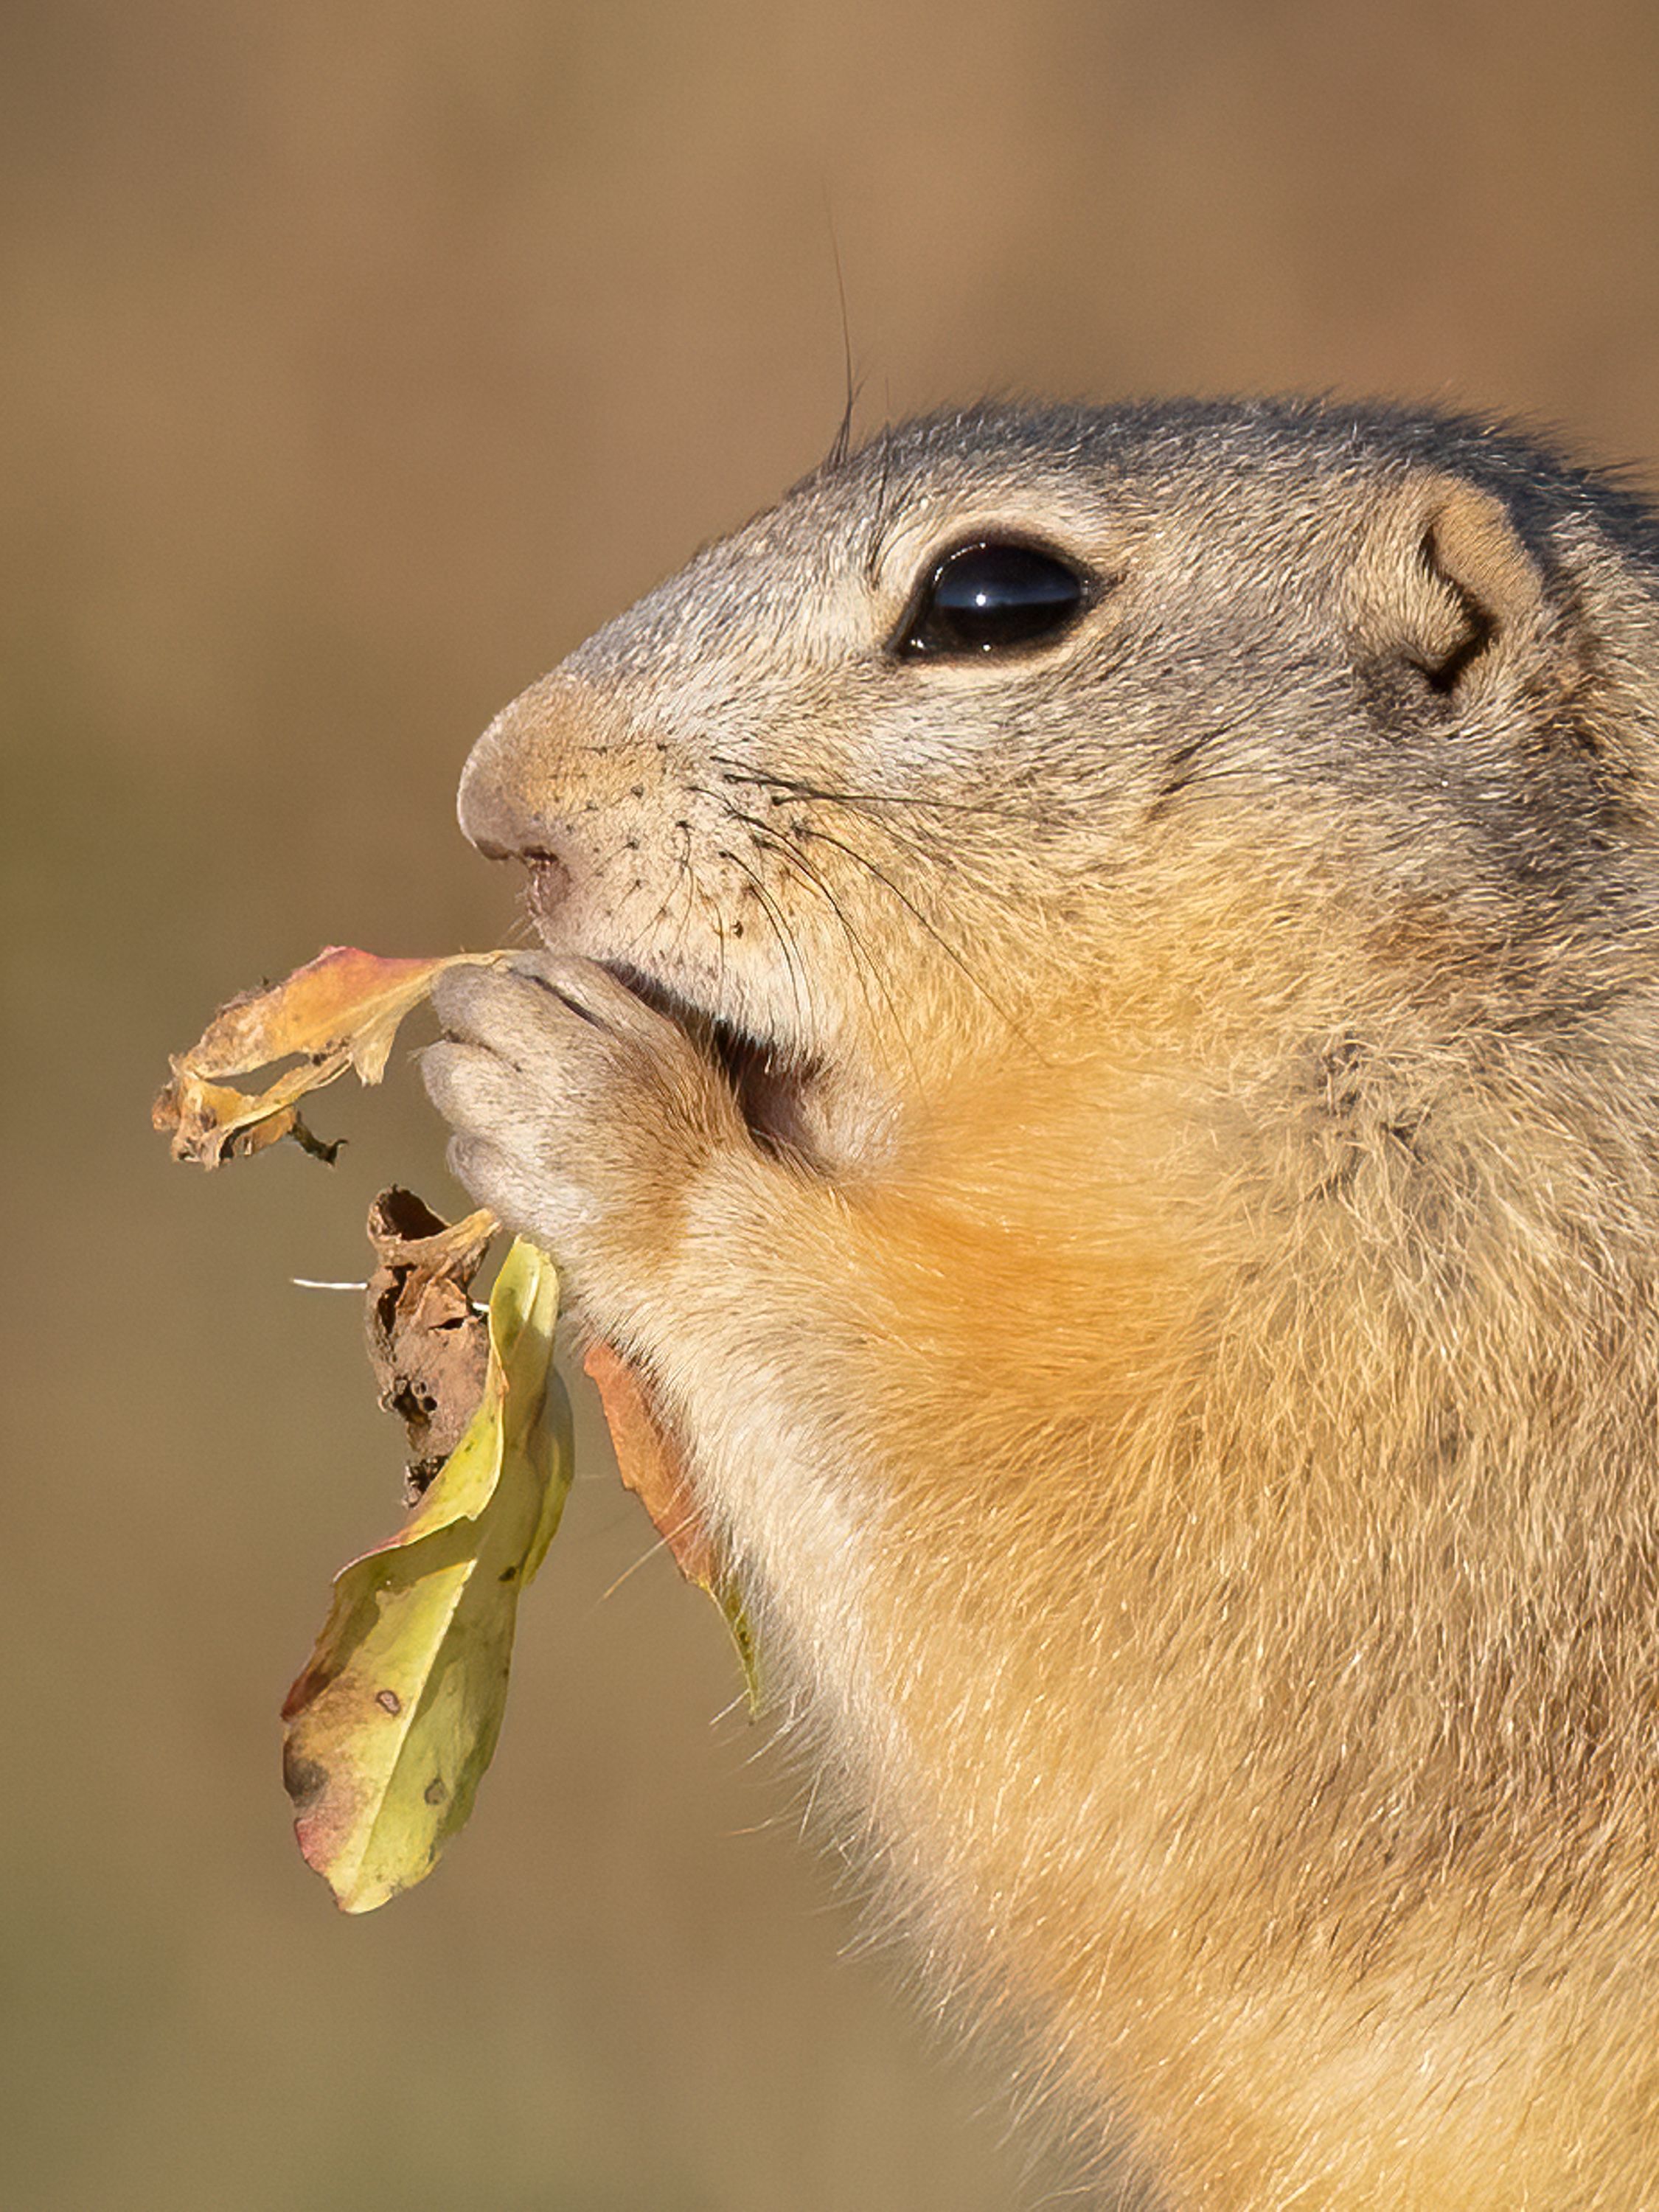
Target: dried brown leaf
pixel 340 1012
pixel 428 1343
pixel 652 1464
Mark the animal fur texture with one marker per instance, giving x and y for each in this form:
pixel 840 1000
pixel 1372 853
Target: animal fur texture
pixel 1132 1165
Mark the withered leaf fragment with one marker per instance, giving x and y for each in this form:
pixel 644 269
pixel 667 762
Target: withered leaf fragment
pixel 428 1343
pixel 652 1465
pixel 341 1011
pixel 392 1723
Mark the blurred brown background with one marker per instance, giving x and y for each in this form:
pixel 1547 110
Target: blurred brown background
pixel 359 360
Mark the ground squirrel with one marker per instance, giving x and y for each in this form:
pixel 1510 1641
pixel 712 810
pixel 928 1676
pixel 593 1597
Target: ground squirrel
pixel 1099 1046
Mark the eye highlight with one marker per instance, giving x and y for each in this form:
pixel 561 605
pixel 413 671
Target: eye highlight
pixel 991 597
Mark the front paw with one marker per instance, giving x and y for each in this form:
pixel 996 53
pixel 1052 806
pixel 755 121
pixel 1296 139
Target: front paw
pixel 583 1116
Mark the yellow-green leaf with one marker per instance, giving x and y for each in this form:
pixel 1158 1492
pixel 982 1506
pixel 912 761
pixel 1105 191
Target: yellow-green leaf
pixel 391 1727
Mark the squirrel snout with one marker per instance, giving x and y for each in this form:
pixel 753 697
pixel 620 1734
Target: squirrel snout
pixel 519 786
pixel 562 748
pixel 492 805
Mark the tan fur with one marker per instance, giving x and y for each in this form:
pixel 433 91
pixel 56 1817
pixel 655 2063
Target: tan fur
pixel 1175 1352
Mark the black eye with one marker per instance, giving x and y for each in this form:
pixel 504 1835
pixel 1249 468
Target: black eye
pixel 990 597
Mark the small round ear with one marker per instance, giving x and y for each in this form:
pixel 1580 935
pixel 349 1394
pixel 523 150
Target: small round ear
pixel 1443 582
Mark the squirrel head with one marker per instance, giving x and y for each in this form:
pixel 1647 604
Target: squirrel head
pixel 1170 730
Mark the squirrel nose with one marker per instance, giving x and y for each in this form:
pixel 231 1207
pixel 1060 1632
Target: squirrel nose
pixel 486 806
pixel 566 748
pixel 515 764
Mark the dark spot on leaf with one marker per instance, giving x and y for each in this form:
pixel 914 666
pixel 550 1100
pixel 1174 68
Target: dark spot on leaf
pixel 304 1780
pixel 388 1701
pixel 434 1793
pixel 419 1477
pixel 508 1574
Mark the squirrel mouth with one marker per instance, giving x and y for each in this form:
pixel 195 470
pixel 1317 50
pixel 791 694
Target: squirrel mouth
pixel 770 1085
